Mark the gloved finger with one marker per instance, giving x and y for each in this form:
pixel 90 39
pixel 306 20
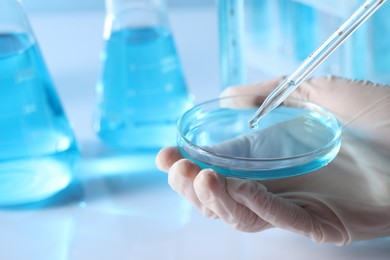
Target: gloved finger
pixel 347 98
pixel 166 157
pixel 212 191
pixel 357 104
pixel 287 214
pixel 262 88
pixel 259 92
pixel 181 179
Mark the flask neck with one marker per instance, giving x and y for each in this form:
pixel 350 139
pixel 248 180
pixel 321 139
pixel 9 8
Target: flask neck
pixel 117 6
pixel 122 14
pixel 13 18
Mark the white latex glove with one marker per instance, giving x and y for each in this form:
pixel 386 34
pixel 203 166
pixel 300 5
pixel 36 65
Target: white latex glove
pixel 346 201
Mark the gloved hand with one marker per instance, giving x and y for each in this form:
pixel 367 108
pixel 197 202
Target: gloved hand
pixel 346 201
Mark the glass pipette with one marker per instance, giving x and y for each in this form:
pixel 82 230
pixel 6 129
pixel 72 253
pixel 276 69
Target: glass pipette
pixel 284 89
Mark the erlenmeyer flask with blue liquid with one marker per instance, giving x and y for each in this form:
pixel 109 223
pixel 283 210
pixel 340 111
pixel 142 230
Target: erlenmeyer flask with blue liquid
pixel 38 151
pixel 142 90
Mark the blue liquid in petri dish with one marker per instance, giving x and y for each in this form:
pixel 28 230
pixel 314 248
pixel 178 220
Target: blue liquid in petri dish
pixel 289 141
pixel 37 146
pixel 142 92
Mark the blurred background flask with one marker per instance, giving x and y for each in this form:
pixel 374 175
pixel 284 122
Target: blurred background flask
pixel 38 151
pixel 142 91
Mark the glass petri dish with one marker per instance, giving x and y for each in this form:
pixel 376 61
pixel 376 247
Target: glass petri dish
pixel 296 138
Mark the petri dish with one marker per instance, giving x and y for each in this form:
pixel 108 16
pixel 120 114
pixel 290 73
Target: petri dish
pixel 296 138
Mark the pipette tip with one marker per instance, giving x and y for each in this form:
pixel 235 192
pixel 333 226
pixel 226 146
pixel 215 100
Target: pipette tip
pixel 260 113
pixel 253 124
pixel 254 121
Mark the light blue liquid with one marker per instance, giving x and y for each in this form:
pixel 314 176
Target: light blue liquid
pixel 37 147
pixel 142 92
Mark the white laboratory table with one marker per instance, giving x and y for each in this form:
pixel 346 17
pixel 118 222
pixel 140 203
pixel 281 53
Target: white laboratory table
pixel 120 206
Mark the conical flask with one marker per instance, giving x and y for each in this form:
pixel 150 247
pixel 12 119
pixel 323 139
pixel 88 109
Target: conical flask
pixel 38 150
pixel 142 90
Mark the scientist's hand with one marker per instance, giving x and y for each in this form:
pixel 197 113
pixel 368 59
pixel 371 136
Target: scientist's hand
pixel 346 201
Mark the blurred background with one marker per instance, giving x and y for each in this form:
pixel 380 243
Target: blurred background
pixel 265 38
pixel 120 206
